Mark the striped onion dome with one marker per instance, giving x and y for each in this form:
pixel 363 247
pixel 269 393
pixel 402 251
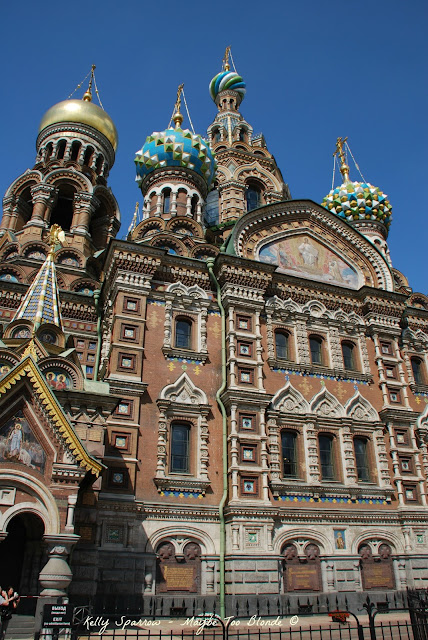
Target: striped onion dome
pixel 227 80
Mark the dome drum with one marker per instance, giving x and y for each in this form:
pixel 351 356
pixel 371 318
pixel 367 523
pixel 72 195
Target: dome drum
pixel 73 132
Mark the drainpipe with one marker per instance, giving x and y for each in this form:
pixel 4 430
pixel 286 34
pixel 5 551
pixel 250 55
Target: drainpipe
pixel 210 264
pixel 97 294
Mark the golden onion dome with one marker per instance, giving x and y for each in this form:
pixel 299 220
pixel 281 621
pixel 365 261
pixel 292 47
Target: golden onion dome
pixel 84 112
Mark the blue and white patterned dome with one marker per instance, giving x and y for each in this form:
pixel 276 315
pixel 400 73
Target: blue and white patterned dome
pixel 175 148
pixel 227 80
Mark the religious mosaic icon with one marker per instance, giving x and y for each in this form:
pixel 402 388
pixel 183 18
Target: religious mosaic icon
pixel 19 444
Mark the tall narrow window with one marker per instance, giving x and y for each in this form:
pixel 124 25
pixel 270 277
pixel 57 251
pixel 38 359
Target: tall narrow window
pixel 180 439
pixel 216 135
pixel 315 344
pixel 348 352
pixel 281 344
pixel 75 150
pixel 61 149
pixel 289 453
pixel 253 197
pixel 417 370
pixel 167 200
pixel 326 457
pixel 362 460
pixel 183 334
pixel 212 208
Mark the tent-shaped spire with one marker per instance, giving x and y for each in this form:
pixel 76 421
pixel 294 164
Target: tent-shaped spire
pixel 41 302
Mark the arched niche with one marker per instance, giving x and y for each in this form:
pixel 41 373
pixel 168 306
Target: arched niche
pixel 178 567
pixel 377 572
pixel 302 571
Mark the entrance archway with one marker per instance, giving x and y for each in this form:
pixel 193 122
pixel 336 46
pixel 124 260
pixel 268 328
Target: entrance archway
pixel 22 553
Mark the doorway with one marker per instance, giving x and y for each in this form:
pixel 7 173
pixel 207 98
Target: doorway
pixel 23 554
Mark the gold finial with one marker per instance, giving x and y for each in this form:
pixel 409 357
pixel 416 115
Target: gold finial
pixel 226 65
pixel 56 236
pixel 344 168
pixel 177 117
pixel 87 97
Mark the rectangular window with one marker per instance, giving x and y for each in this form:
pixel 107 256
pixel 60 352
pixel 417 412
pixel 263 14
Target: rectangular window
pixel 129 332
pixel 126 361
pixel 248 453
pixel 245 376
pixel 118 478
pixel 120 441
pixel 401 437
pixel 406 465
pixel 289 453
pixel 247 422
pixel 386 348
pixel 410 494
pixel 326 457
pixel 249 486
pixel 394 396
pixel 180 440
pixel 361 459
pixel 92 346
pixel 245 349
pixel 243 323
pixel 124 408
pixel 391 372
pixel 131 304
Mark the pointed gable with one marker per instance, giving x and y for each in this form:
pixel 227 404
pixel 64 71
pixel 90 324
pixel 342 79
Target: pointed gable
pixel 28 369
pixel 326 404
pixel 289 400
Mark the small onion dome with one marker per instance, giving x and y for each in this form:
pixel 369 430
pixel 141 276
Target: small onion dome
pixel 83 112
pixel 227 80
pixel 175 148
pixel 357 201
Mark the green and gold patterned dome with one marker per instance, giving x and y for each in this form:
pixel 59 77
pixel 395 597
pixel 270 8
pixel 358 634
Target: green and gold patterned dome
pixel 359 201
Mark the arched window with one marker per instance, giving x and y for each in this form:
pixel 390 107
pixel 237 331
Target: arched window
pixel 348 352
pixel 253 196
pixel 179 450
pixel 281 344
pixel 63 211
pixel 61 149
pixel 216 135
pixel 242 135
pixel 289 453
pixel 49 151
pixel 362 459
pixel 183 334
pixel 75 150
pixel 194 205
pixel 99 164
pixel 417 370
pixel 325 443
pixel 315 344
pixel 87 158
pixel 166 200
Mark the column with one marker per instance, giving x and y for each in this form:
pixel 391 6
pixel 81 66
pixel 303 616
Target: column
pixel 44 197
pixel 84 206
pixel 72 499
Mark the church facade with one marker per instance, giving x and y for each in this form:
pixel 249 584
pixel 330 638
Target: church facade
pixel 229 404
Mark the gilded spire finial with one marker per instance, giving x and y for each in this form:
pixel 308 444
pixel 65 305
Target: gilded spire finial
pixel 226 65
pixel 177 117
pixel 344 168
pixel 87 97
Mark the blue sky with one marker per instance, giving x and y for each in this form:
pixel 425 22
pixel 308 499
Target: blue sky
pixel 314 71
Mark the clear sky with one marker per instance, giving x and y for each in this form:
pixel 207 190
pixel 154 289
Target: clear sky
pixel 315 70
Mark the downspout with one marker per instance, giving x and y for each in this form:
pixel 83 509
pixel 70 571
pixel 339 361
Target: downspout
pixel 97 294
pixel 210 265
